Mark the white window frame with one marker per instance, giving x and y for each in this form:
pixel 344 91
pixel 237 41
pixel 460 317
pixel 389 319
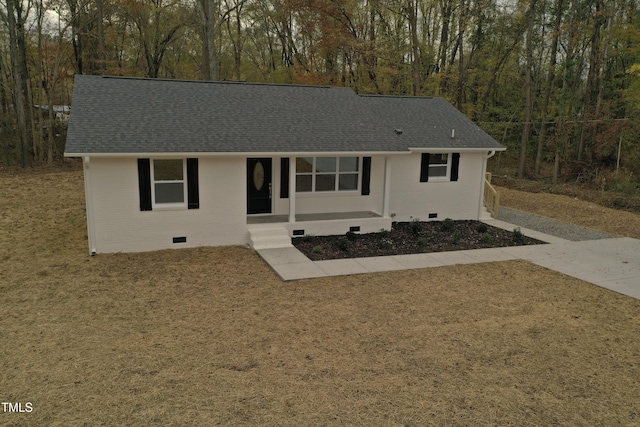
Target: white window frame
pixel 337 174
pixel 447 175
pixel 169 205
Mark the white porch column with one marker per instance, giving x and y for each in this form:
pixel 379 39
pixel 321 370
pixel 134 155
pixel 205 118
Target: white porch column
pixel 482 180
pixel 387 187
pixel 292 189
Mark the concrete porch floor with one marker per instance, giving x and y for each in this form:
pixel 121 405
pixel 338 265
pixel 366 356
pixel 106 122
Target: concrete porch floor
pixel 610 263
pixel 271 219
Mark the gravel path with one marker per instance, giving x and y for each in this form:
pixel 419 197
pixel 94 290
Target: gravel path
pixel 551 226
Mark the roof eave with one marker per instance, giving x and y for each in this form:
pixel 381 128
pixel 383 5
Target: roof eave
pixel 457 150
pixel 238 154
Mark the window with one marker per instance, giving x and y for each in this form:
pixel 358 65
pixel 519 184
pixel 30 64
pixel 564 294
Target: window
pixel 168 181
pixel 326 174
pixel 162 182
pixel 439 167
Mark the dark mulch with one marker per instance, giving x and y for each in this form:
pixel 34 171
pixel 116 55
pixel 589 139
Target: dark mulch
pixel 411 238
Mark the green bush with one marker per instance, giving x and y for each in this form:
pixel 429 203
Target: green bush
pixel 455 238
pixel 351 236
pixel 482 228
pixel 416 226
pixel 317 249
pixel 486 238
pixel 307 238
pixel 384 233
pixel 518 236
pixel 423 241
pixel 385 243
pixel 343 244
pixel 447 224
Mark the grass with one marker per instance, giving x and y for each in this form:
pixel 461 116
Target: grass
pixel 573 210
pixel 211 336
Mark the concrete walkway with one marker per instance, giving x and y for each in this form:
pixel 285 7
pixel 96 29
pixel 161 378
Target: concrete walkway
pixel 610 263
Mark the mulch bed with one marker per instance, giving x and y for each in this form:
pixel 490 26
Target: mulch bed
pixel 411 238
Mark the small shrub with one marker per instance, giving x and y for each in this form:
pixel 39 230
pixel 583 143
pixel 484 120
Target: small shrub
pixel 423 241
pixel 343 244
pixel 618 202
pixel 416 226
pixel 486 238
pixel 317 249
pixel 351 236
pixel 307 238
pixel 455 238
pixel 447 224
pixel 384 233
pixel 482 228
pixel 385 243
pixel 518 236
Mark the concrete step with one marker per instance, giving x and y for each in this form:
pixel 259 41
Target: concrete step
pixel 269 238
pixel 485 214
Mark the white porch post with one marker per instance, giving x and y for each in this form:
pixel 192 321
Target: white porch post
pixel 387 187
pixel 292 189
pixel 482 180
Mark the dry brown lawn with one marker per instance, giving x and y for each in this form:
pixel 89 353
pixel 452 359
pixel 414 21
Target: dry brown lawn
pixel 571 210
pixel 211 336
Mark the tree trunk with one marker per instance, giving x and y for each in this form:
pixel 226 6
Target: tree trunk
pixel 528 103
pixel 446 9
pixel 5 143
pixel 601 72
pixel 551 73
pixel 20 79
pixel 461 73
pixel 211 23
pixel 415 48
pixel 556 167
pixel 102 56
pixel 591 76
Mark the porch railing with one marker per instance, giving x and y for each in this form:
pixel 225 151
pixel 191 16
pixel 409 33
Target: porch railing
pixel 491 197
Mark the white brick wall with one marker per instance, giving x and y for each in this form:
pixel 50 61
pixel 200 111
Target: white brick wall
pixel 121 226
pixel 456 200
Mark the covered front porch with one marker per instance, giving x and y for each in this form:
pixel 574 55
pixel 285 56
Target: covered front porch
pixel 271 219
pixel 271 231
pixel 278 208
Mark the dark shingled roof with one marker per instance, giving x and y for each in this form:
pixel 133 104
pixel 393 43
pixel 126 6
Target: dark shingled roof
pixel 134 115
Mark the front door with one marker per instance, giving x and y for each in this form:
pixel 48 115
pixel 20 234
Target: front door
pixel 258 186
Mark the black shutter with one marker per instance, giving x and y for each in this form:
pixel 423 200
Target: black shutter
pixel 366 176
pixel 424 167
pixel 144 183
pixel 193 190
pixel 455 165
pixel 284 178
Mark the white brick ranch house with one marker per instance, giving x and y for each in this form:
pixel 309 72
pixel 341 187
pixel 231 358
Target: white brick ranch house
pixel 171 164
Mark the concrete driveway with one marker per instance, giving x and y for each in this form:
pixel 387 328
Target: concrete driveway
pixel 610 263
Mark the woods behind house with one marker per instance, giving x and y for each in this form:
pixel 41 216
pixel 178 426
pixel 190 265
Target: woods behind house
pixel 557 81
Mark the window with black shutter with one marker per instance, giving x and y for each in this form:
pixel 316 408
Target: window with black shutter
pixel 439 167
pixel 168 183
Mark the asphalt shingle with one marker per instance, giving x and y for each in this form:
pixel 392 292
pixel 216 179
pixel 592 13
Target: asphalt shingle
pixel 135 115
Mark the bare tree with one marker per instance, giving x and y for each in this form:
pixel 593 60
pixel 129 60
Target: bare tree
pixel 16 18
pixel 528 97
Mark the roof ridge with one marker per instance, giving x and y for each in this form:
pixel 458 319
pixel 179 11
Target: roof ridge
pixel 230 82
pixel 397 96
